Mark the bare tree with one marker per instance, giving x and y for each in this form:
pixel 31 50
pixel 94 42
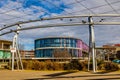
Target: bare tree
pixel 61 54
pixel 21 47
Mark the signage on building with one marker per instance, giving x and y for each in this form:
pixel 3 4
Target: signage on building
pixel 13 50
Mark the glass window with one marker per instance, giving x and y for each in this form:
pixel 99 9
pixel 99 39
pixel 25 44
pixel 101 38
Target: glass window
pixel 42 41
pixel 67 45
pixel 67 41
pixel 56 41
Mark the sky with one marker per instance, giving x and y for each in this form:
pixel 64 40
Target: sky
pixel 12 11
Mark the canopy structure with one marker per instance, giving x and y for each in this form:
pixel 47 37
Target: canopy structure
pixel 35 14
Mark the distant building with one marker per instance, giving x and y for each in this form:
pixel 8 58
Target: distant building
pixel 115 46
pixel 5 49
pixel 45 47
pixel 108 51
pixel 27 54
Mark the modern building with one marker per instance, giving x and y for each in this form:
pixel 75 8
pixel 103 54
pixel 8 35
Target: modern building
pixel 5 49
pixel 46 47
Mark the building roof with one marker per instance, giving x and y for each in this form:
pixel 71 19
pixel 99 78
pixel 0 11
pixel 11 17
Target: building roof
pixel 59 37
pixel 118 45
pixel 5 40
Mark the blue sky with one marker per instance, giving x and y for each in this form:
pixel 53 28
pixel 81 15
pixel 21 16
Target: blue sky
pixel 48 5
pixel 12 11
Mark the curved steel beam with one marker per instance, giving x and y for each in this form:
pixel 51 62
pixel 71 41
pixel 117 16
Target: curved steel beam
pixel 61 24
pixel 43 26
pixel 60 17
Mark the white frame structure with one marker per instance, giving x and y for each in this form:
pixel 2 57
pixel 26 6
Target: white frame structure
pixel 16 54
pixel 90 23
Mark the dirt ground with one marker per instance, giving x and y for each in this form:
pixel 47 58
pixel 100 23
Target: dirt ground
pixel 57 75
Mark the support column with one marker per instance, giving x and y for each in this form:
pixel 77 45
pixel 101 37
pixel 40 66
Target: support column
pixel 92 41
pixel 2 45
pixel 16 54
pixel 13 60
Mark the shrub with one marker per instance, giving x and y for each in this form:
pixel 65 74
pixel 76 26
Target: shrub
pixel 84 65
pixel 29 65
pixel 49 65
pixel 42 66
pixel 36 65
pixel 109 66
pixel 73 65
pixel 58 66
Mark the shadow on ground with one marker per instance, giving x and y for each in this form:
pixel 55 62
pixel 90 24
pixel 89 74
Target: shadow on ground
pixel 60 74
pixel 93 76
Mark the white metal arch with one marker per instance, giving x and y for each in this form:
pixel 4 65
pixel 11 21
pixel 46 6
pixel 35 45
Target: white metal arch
pixel 70 16
pixel 90 23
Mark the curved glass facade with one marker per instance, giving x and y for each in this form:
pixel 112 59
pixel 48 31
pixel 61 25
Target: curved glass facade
pixel 45 47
